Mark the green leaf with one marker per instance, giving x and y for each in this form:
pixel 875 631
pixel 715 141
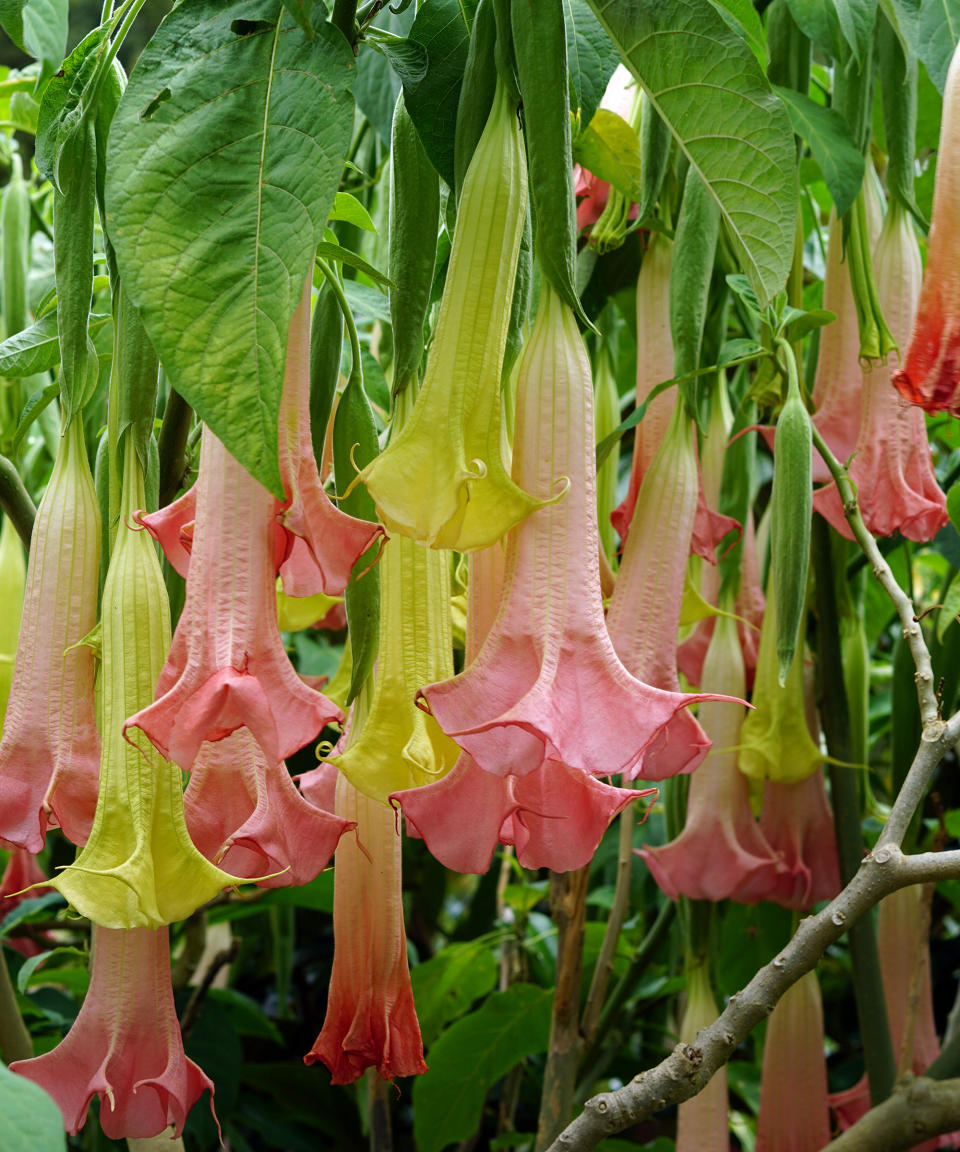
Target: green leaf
pixel 949 611
pixel 472 1055
pixel 217 196
pixel 817 20
pixel 856 19
pixel 332 251
pixel 60 107
pixel 938 31
pixel 407 58
pixel 29 1118
pixel 349 209
pixel 39 28
pixel 610 149
pixel 743 19
pixel 591 57
pixel 33 908
pixel 903 16
pixel 378 84
pixel 831 144
pixel 442 30
pixel 797 323
pixel 32 963
pixel 445 986
pixel 953 505
pixel 301 11
pixel 707 86
pixel 32 409
pixel 247 1018
pixel 368 303
pixel 35 349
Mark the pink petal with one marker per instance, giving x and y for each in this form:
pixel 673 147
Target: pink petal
pixel 798 824
pixel 227 667
pixel 22 872
pixel 125 1044
pixel 172 528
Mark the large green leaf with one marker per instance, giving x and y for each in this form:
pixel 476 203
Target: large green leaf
pixel 472 1055
pixel 831 144
pixel 709 89
pixel 225 154
pixel 29 1118
pixel 591 57
pixel 938 31
pixel 39 27
pixel 447 984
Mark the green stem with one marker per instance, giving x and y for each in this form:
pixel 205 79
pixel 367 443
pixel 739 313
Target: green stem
pixel 125 14
pixel 334 281
pixel 15 501
pixel 15 1042
pixel 172 445
pixel 867 980
pixel 345 18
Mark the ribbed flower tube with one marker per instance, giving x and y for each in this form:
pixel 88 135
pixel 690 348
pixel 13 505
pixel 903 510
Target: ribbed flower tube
pixel 547 683
pixel 443 480
pixel 13 575
pixel 644 614
pixel 50 750
pixel 896 486
pixel 227 668
pixel 125 1044
pixel 139 868
pixel 702 1123
pixel 371 1020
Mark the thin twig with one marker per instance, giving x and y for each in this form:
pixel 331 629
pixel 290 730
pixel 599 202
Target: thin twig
pixel 15 501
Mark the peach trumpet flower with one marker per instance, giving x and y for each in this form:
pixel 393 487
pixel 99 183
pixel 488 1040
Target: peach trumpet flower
pixel 702 1123
pixel 50 749
pixel 125 1044
pixel 798 825
pixel 227 668
pixel 547 683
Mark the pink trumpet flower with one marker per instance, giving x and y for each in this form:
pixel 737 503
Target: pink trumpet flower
pixel 21 873
pixel 227 668
pixel 930 372
pixel 721 854
pixel 798 825
pixel 547 684
pixel 50 749
pixel 125 1045
pixel 896 487
pixel 794 1107
pixel 644 614
pixel 371 1020
pixel 245 813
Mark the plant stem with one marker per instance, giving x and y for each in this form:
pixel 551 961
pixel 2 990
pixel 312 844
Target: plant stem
pixel 381 1133
pixel 334 281
pixel 867 979
pixel 172 445
pixel 568 906
pixel 15 501
pixel 345 18
pixel 15 1042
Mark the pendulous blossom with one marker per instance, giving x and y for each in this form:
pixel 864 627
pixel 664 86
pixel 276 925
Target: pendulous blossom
pixel 930 372
pixel 371 1020
pixel 139 868
pixel 547 683
pixel 227 668
pixel 12 579
pixel 50 750
pixel 453 490
pixel 702 1124
pixel 721 853
pixel 125 1044
pixel 896 486
pixel 245 813
pixel 798 825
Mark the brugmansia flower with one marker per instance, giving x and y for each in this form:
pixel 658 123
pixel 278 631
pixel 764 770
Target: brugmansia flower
pixel 12 579
pixel 245 813
pixel 644 614
pixel 453 490
pixel 371 1020
pixel 896 486
pixel 50 751
pixel 794 1109
pixel 930 373
pixel 227 668
pixel 325 542
pixel 22 872
pixel 721 853
pixel 798 825
pixel 547 684
pixel 702 1124
pixel 139 867
pixel 125 1044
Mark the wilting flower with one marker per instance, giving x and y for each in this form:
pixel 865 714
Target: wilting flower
pixel 702 1124
pixel 245 813
pixel 50 751
pixel 125 1044
pixel 721 853
pixel 547 684
pixel 12 580
pixel 794 1109
pixel 453 490
pixel 227 668
pixel 22 872
pixel 930 373
pixel 896 487
pixel 139 867
pixel 371 1020
pixel 644 614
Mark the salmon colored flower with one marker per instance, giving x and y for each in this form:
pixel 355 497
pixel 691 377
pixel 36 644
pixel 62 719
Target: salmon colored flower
pixel 50 750
pixel 125 1045
pixel 702 1123
pixel 245 813
pixel 371 1020
pixel 138 868
pixel 930 372
pixel 13 575
pixel 721 853
pixel 794 1109
pixel 227 668
pixel 896 487
pixel 22 872
pixel 798 825
pixel 547 684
